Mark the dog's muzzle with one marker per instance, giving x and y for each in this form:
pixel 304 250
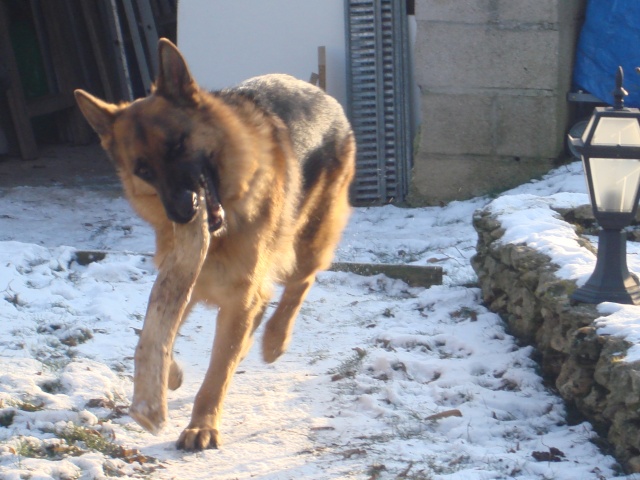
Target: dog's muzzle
pixel 183 204
pixel 183 207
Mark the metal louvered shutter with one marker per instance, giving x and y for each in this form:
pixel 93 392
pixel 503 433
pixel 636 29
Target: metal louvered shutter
pixel 379 98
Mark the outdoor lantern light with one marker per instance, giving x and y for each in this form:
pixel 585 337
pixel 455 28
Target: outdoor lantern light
pixel 610 150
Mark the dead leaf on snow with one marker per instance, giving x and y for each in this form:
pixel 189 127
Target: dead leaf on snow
pixel 446 414
pixel 553 455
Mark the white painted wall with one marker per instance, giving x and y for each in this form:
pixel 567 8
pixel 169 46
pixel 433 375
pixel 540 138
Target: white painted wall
pixel 227 41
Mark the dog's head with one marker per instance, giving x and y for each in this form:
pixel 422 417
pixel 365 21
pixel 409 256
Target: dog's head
pixel 151 141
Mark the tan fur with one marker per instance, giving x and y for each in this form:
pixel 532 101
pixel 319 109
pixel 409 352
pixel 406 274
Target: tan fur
pixel 273 232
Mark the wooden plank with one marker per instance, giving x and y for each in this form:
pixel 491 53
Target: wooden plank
pixel 413 275
pixel 15 93
pixel 150 31
pixel 134 33
pixel 322 68
pixel 89 13
pixel 78 29
pixel 65 64
pixel 39 23
pixel 115 32
pixel 50 104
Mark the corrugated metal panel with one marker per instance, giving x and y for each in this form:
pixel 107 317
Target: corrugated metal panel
pixel 379 98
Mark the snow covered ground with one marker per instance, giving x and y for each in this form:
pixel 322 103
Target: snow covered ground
pixel 382 381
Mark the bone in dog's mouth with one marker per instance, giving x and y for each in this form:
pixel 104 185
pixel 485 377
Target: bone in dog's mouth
pixel 215 212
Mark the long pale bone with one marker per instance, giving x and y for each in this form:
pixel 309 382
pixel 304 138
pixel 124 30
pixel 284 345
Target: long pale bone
pixel 168 302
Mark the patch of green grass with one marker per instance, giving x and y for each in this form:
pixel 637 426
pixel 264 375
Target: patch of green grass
pixel 29 406
pixel 88 439
pixel 29 448
pixel 317 356
pixel 349 367
pixel 53 363
pixel 77 440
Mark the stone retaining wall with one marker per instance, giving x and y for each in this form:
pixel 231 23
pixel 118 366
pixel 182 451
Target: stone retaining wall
pixel 519 283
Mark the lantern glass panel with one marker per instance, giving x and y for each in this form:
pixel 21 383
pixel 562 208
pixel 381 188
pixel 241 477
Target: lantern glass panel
pixel 617 131
pixel 588 128
pixel 615 183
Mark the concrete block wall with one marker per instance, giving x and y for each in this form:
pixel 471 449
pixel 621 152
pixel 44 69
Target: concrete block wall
pixel 493 77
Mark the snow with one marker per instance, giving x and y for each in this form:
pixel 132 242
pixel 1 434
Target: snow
pixel 382 380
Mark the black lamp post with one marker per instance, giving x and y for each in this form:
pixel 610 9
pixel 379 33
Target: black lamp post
pixel 610 150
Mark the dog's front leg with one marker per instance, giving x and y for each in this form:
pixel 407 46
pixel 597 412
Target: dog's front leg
pixel 234 330
pixel 168 302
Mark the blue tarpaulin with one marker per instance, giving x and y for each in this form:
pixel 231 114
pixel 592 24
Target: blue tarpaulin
pixel 609 37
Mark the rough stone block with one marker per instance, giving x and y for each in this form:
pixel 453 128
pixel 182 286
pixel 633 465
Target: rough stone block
pixel 485 11
pixel 443 178
pixel 527 126
pixel 457 11
pixel 456 124
pixel 480 57
pixel 526 11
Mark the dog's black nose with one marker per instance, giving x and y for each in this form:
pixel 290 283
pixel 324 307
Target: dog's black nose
pixel 183 206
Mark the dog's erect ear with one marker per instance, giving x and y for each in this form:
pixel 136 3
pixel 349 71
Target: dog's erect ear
pixel 174 80
pixel 98 113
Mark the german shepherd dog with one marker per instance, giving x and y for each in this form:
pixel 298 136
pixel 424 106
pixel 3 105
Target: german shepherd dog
pixel 245 188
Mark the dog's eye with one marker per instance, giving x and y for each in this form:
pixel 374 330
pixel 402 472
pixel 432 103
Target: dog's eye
pixel 144 170
pixel 177 148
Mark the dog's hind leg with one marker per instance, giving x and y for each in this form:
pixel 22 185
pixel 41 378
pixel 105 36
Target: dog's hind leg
pixel 278 330
pixel 234 328
pixel 325 213
pixel 257 320
pixel 168 303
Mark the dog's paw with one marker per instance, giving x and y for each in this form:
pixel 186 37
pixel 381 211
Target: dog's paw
pixel 270 354
pixel 198 439
pixel 175 376
pixel 274 344
pixel 151 419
